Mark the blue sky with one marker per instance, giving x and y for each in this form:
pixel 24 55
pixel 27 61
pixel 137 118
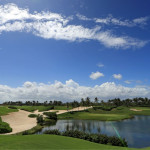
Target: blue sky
pixel 78 48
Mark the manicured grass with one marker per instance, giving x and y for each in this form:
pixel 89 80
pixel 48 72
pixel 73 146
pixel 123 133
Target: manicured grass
pixel 33 108
pixel 5 110
pixel 93 116
pixel 115 114
pixel 61 107
pixel 41 142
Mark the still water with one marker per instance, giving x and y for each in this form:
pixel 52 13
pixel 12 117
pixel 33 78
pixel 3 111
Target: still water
pixel 136 131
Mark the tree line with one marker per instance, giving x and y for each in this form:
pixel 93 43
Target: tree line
pixel 138 101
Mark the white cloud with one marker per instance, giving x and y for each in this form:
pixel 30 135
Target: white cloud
pixel 96 75
pixel 141 20
pixel 117 76
pixel 69 91
pixel 117 21
pixel 127 81
pixel 55 26
pixel 82 17
pixel 100 65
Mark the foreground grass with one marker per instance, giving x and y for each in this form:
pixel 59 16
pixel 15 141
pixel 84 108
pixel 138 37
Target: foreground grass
pixel 115 114
pixel 33 142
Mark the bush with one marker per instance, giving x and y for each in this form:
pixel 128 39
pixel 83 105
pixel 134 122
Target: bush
pixel 55 132
pixel 105 108
pixel 96 138
pixel 49 121
pixel 25 133
pixel 12 107
pixel 103 139
pixel 117 141
pixel 40 119
pixel 5 128
pixel 51 115
pixel 32 115
pixel 33 130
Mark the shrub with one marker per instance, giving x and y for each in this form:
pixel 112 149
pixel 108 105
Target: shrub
pixel 40 119
pixel 105 108
pixel 12 107
pixel 117 141
pixel 97 138
pixel 49 121
pixel 32 115
pixel 25 133
pixel 55 132
pixel 103 139
pixel 51 115
pixel 5 128
pixel 33 130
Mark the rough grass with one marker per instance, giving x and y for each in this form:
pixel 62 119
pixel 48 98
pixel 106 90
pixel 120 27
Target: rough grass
pixel 46 142
pixel 115 114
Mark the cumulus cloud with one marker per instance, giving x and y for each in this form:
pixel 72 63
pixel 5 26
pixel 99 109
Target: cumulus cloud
pixel 69 91
pixel 96 75
pixel 117 76
pixel 50 25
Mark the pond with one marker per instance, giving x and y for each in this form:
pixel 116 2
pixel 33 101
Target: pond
pixel 136 131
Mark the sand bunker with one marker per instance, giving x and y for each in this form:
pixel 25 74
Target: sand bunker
pixel 19 121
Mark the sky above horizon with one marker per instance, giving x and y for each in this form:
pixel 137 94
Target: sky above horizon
pixel 69 49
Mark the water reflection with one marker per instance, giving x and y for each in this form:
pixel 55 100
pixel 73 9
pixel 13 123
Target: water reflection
pixel 136 131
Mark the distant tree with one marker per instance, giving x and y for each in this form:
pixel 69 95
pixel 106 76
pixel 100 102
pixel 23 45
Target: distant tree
pixel 87 101
pixel 67 106
pixel 96 100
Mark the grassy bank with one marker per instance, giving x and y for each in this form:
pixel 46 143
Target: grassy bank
pixel 33 108
pixel 5 110
pixel 42 108
pixel 115 114
pixel 52 142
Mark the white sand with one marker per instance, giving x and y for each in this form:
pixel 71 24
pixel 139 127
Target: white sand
pixel 19 121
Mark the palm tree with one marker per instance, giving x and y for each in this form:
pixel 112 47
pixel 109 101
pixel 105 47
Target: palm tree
pixel 96 100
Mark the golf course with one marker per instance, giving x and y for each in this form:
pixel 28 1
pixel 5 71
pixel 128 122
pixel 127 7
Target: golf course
pixel 18 119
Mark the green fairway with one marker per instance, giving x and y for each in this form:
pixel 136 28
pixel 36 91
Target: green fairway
pixel 33 108
pixel 115 114
pixel 62 108
pixel 5 110
pixel 32 142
